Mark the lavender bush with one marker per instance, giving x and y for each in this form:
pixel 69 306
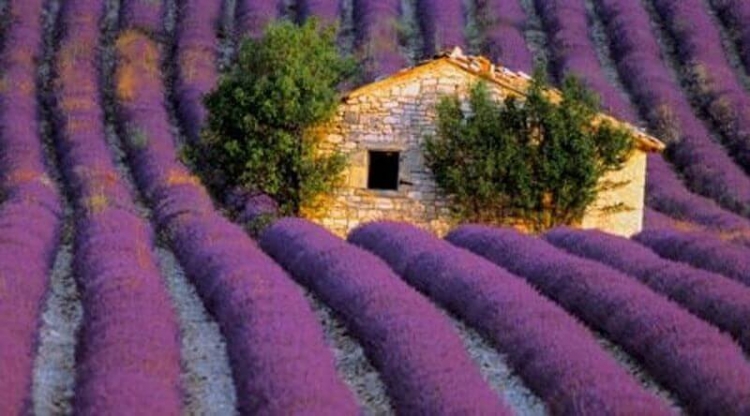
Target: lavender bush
pixel 700 249
pixel 721 94
pixel 30 206
pixel 666 193
pixel 735 14
pixel 573 377
pixel 715 298
pixel 196 52
pixel 706 167
pixel 503 23
pixel 279 359
pixel 253 16
pixel 376 36
pixel 442 23
pixel 574 52
pixel 128 359
pixel 327 11
pixel 420 356
pixel 703 367
pixel 146 15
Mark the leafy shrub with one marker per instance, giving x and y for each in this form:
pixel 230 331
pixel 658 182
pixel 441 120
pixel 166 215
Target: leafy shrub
pixel 259 133
pixel 535 160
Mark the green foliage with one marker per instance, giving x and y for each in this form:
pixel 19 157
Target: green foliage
pixel 259 134
pixel 529 160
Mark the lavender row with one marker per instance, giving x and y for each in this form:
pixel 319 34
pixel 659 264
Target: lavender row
pixel 129 351
pixel 327 11
pixel 666 193
pixel 420 356
pixel 574 53
pixel 735 14
pixel 197 52
pixel 254 15
pixel 504 42
pixel 703 367
pixel 700 249
pixel 573 377
pixel 706 167
pixel 30 211
pixel 442 24
pixel 568 30
pixel 376 34
pixel 700 49
pixel 715 298
pixel 275 344
pixel 145 15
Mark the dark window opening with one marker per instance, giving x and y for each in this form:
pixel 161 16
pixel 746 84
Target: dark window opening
pixel 383 170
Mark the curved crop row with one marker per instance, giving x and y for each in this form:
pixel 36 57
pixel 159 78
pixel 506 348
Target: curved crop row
pixel 722 95
pixel 275 344
pixel 196 43
pixel 253 16
pixel 145 15
pixel 442 23
pixel 376 33
pixel 327 11
pixel 707 168
pixel 503 37
pixel 129 350
pixel 703 367
pixel 574 377
pixel 715 298
pixel 666 193
pixel 568 30
pixel 30 206
pixel 421 358
pixel 573 51
pixel 735 14
pixel 701 250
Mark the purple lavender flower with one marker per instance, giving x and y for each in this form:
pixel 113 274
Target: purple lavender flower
pixel 30 206
pixel 442 24
pixel 572 376
pixel 700 249
pixel 196 56
pixel 703 367
pixel 376 23
pixel 280 361
pixel 715 298
pixel 422 360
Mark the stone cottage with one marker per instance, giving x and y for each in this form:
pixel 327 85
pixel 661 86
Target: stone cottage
pixel 381 127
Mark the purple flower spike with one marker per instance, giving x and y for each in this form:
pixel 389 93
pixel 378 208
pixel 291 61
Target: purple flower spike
pixel 30 205
pixel 420 356
pixel 442 24
pixel 377 36
pixel 280 361
pixel 715 298
pixel 702 250
pixel 705 369
pixel 574 377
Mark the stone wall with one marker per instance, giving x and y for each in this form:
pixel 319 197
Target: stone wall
pixel 396 115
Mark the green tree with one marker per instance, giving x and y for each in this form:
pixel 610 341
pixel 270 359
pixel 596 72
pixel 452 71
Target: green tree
pixel 533 159
pixel 259 133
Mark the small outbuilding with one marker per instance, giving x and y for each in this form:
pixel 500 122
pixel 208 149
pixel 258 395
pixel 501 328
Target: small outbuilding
pixel 381 128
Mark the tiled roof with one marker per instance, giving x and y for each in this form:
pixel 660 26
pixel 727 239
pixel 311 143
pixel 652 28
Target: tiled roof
pixel 515 82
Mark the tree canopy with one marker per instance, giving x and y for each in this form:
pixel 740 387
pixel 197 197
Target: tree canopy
pixel 259 134
pixel 524 159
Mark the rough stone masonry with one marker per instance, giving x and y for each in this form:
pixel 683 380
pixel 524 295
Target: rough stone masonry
pixel 395 114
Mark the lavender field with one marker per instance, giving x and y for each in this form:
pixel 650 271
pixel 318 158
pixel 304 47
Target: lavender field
pixel 125 289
